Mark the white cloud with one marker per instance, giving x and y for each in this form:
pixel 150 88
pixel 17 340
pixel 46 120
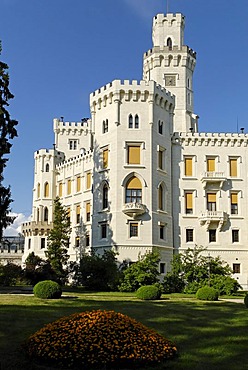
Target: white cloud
pixel 15 228
pixel 145 8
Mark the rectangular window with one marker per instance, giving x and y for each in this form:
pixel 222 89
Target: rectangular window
pixel 161 159
pixel 88 180
pixel 162 268
pixel 236 268
pixel 78 183
pixel 188 166
pixel 161 231
pixel 133 229
pixel 189 203
pixel 60 189
pixel 133 154
pixel 68 187
pixel 235 236
pixel 42 243
pixel 105 158
pixel 104 231
pixel 211 201
pixel 78 210
pixel 69 214
pixel 233 167
pixel 77 242
pixel 189 235
pixel 29 243
pixel 234 203
pixel 212 235
pixel 87 240
pixel 87 206
pixel 211 164
pixel 72 144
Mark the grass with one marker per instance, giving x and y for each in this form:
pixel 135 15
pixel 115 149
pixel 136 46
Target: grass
pixel 208 335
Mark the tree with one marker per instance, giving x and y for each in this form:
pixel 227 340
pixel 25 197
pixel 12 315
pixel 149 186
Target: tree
pixel 7 133
pixel 37 270
pixel 58 242
pixel 143 272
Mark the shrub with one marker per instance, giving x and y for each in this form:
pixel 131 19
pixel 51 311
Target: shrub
pixel 246 300
pixel 47 289
pixel 148 292
pixel 225 284
pixel 207 293
pixel 98 339
pixel 173 283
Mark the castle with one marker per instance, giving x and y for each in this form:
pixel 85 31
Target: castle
pixel 137 175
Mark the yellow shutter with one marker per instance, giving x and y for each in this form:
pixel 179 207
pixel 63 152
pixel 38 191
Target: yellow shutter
pixel 134 183
pixel 233 168
pixel 69 213
pixel 211 165
pixel 69 187
pixel 38 190
pixel 78 183
pixel 78 210
pixel 60 189
pixel 105 158
pixel 88 180
pixel 189 200
pixel 46 190
pixel 211 197
pixel 234 198
pixel 188 167
pixel 134 155
pixel 87 207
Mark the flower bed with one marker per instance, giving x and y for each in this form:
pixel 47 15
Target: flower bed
pixel 98 338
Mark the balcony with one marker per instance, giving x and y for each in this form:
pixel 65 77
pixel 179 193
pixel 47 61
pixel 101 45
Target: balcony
pixel 134 209
pixel 207 217
pixel 36 228
pixel 213 177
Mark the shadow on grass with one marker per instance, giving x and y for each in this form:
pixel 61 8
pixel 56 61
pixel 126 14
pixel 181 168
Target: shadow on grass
pixel 208 335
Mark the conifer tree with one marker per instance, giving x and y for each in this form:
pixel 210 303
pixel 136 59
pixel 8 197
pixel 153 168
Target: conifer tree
pixel 58 241
pixel 7 133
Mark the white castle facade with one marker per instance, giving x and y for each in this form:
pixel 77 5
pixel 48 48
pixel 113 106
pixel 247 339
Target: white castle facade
pixel 137 175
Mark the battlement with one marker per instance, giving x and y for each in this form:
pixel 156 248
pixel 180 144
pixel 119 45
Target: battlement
pixel 170 17
pixel 170 50
pixel 135 86
pixel 58 123
pixel 85 155
pixel 210 139
pixel 48 153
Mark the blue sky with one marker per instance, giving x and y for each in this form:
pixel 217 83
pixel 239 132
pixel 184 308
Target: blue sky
pixel 59 51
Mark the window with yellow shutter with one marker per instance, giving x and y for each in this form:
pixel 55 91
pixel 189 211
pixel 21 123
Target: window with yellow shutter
pixel 68 213
pixel 234 203
pixel 88 180
pixel 211 201
pixel 188 166
pixel 87 206
pixel 105 158
pixel 78 183
pixel 38 190
pixel 211 164
pixel 68 187
pixel 60 189
pixel 46 190
pixel 133 154
pixel 189 202
pixel 78 210
pixel 233 167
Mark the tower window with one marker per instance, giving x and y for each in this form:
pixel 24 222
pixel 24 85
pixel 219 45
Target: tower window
pixel 130 121
pixel 234 203
pixel 78 210
pixel 105 196
pixel 160 197
pixel 235 236
pixel 68 187
pixel 104 229
pixel 160 127
pixel 161 159
pixel 105 158
pixel 211 201
pixel 233 167
pixel 212 235
pixel 136 121
pixel 133 229
pixel 60 189
pixel 169 43
pixel 133 154
pixel 88 180
pixel 46 214
pixel 72 144
pixel 46 190
pixel 38 190
pixel 78 183
pixel 162 232
pixel 42 243
pixel 105 126
pixel 88 211
pixel 162 268
pixel 211 164
pixel 47 167
pixel 189 203
pixel 188 166
pixel 134 191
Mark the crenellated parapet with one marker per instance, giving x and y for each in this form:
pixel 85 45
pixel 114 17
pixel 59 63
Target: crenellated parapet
pixel 85 156
pixel 72 128
pixel 210 139
pixel 136 91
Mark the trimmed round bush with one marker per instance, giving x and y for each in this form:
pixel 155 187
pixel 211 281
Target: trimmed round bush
pixel 47 289
pixel 246 300
pixel 148 292
pixel 207 293
pixel 98 339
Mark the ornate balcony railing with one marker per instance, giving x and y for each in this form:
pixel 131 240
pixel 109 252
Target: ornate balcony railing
pixel 213 216
pixel 217 177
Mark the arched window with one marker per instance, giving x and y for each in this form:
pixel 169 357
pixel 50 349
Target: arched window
pixel 46 190
pixel 136 121
pixel 45 214
pixel 38 215
pixel 105 126
pixel 169 43
pixel 130 121
pixel 160 127
pixel 134 191
pixel 47 167
pixel 105 196
pixel 38 190
pixel 161 197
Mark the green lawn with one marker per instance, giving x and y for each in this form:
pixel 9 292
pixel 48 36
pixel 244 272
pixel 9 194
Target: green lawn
pixel 208 335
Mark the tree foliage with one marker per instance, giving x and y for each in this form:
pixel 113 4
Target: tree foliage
pixel 37 269
pixel 143 272
pixel 7 133
pixel 58 242
pixel 97 272
pixel 192 270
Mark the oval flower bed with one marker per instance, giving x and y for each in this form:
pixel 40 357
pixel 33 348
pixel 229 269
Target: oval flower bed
pixel 98 338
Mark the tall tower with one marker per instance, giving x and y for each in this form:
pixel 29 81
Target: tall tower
pixel 171 64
